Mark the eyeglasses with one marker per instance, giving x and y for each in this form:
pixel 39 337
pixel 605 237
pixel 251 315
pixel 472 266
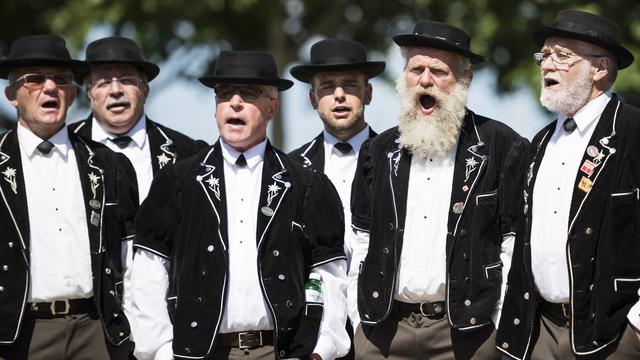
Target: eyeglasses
pixel 247 93
pixel 127 81
pixel 36 81
pixel 560 59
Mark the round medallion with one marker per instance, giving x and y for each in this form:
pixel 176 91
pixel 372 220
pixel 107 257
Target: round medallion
pixel 266 211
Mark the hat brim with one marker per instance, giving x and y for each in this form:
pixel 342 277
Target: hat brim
pixel 77 67
pixel 623 56
pixel 304 73
pixel 150 69
pixel 211 81
pixel 413 40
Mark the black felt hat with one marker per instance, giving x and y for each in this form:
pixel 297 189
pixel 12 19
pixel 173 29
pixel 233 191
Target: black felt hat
pixel 437 35
pixel 246 67
pixel 40 50
pixel 586 27
pixel 120 50
pixel 337 55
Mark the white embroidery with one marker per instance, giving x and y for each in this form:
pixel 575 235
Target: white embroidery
pixel 94 179
pixel 272 192
pixel 470 167
pixel 163 160
pixel 396 163
pixel 10 176
pixel 214 185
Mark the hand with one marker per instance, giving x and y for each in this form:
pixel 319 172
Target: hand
pixel 315 356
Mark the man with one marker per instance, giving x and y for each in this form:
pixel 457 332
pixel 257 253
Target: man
pixel 430 208
pixel 67 203
pixel 117 88
pixel 574 281
pixel 339 75
pixel 240 227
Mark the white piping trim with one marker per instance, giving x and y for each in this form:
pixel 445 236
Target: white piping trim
pixel 341 257
pixel 146 248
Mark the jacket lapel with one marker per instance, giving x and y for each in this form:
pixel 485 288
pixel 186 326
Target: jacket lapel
pixel 161 146
pixel 399 166
pixel 275 185
pixel 12 186
pixel 599 151
pixel 313 155
pixel 210 176
pixel 83 128
pixel 470 162
pixel 91 171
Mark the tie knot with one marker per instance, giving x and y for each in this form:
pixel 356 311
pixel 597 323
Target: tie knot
pixel 45 147
pixel 122 141
pixel 343 147
pixel 569 125
pixel 241 161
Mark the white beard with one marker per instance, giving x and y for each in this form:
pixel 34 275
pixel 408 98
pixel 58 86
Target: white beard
pixel 431 135
pixel 571 97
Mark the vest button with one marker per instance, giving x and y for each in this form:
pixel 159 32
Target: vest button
pixel 381 274
pixel 276 253
pixel 385 250
pixel 210 248
pixel 289 303
pixel 467 302
pixel 516 321
pixel 107 271
pixel 187 350
pixel 121 334
pixel 115 315
pixel 281 277
pixel 10 244
pixel 282 354
pixel 588 231
pixel 463 232
pixel 1 288
pixel 112 293
pixel 200 300
pixel 472 321
pixel 390 226
pixel 194 324
pixel 375 294
pixel 591 287
pixel 5 267
pixel 526 295
pixel 505 345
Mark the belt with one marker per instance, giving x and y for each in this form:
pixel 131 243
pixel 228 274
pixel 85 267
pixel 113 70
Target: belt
pixel 428 309
pixel 61 308
pixel 558 313
pixel 245 339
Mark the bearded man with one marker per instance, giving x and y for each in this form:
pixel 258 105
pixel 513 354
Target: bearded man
pixel 430 208
pixel 573 287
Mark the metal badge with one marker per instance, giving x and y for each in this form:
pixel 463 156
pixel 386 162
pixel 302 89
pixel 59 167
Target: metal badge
pixel 592 150
pixel 458 207
pixel 585 184
pixel 95 204
pixel 266 211
pixel 95 219
pixel 587 167
pixel 465 188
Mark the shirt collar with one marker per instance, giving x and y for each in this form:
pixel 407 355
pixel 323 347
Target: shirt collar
pixel 138 132
pixel 253 156
pixel 355 141
pixel 588 113
pixel 29 141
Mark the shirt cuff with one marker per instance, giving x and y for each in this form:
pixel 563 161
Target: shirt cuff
pixel 325 348
pixel 165 352
pixel 634 315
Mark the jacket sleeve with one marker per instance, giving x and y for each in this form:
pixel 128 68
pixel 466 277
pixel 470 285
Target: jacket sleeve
pixel 512 177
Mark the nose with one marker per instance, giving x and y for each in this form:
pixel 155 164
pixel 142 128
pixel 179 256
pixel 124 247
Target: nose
pixel 115 87
pixel 547 64
pixel 236 101
pixel 426 79
pixel 49 85
pixel 339 93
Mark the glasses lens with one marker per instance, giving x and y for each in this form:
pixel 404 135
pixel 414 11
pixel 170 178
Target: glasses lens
pixel 128 80
pixel 34 79
pixel 249 94
pixel 224 93
pixel 62 79
pixel 538 58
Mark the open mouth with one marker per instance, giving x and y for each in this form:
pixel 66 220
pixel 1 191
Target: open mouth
pixel 120 105
pixel 236 122
pixel 428 103
pixel 550 82
pixel 51 104
pixel 341 111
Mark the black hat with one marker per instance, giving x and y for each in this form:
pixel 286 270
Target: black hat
pixel 40 50
pixel 337 55
pixel 439 35
pixel 586 27
pixel 119 50
pixel 246 67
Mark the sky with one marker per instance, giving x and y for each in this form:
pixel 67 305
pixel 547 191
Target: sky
pixel 188 106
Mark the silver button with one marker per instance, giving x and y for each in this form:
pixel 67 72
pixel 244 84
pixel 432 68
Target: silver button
pixel 121 333
pixel 107 271
pixel 526 295
pixel 278 176
pixel 5 267
pixel 282 353
pixel 210 248
pixel 111 292
pixel 516 321
pixel 276 253
pixel 375 294
pixel 281 277
pixel 591 287
pixel 472 321
pixel 1 288
pixel 10 244
pixel 115 315
pixel 467 302
pixel 505 345
pixel 194 324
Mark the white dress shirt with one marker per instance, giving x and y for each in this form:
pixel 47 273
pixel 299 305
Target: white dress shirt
pixel 138 151
pixel 340 169
pixel 150 276
pixel 60 264
pixel 552 194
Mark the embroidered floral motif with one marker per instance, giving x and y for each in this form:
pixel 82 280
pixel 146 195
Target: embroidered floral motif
pixel 10 176
pixel 214 185
pixel 598 159
pixel 272 192
pixel 396 163
pixel 94 180
pixel 163 160
pixel 470 167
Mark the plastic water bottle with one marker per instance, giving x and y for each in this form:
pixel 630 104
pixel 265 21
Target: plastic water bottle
pixel 313 289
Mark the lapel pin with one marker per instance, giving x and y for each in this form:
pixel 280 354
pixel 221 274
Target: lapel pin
pixel 585 184
pixel 587 167
pixel 266 211
pixel 95 204
pixel 458 207
pixel 465 188
pixel 592 151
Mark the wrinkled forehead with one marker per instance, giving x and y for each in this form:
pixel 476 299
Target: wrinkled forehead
pixel 420 55
pixel 99 71
pixel 567 45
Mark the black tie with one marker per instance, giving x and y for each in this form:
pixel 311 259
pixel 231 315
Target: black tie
pixel 45 147
pixel 569 125
pixel 241 161
pixel 122 141
pixel 343 147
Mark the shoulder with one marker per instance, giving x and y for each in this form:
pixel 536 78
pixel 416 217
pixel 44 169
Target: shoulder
pixel 174 135
pixel 304 148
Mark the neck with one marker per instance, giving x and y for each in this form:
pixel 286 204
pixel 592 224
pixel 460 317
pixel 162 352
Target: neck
pixel 345 134
pixel 43 132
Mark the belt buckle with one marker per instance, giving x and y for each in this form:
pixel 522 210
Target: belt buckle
pixel 64 312
pixel 251 339
pixel 437 309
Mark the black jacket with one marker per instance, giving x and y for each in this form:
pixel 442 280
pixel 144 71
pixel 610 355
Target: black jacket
pixel 184 219
pixel 478 219
pixel 109 224
pixel 311 154
pixel 603 251
pixel 167 146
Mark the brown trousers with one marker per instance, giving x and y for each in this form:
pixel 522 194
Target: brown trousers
pixel 227 353
pixel 73 337
pixel 554 343
pixel 418 337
